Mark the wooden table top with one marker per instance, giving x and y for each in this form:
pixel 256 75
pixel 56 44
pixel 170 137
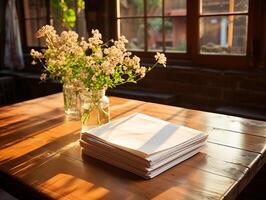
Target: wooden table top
pixel 39 150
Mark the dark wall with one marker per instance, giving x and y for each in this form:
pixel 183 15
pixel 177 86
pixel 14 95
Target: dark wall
pixel 2 31
pixel 101 15
pixel 201 87
pixel 21 86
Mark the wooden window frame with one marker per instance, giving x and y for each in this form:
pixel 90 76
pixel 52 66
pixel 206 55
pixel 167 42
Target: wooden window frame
pixel 192 57
pixel 256 49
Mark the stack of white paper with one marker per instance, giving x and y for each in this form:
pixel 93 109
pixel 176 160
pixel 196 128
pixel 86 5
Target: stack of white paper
pixel 141 144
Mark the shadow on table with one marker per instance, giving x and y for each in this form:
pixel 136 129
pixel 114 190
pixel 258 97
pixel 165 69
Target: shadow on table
pixel 58 169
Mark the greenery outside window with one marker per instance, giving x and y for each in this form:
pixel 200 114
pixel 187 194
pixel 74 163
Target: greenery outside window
pixel 37 13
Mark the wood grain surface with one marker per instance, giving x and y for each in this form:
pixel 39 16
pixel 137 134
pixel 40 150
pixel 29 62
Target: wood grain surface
pixel 39 150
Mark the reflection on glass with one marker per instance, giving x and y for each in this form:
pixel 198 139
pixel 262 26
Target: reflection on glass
pixel 155 38
pixel 175 34
pixel 133 29
pixel 175 7
pixel 154 7
pixel 221 6
pixel 223 35
pixel 131 8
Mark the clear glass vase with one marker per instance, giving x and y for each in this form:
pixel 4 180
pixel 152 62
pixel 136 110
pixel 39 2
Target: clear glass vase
pixel 94 109
pixel 71 101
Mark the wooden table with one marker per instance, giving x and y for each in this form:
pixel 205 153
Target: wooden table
pixel 40 155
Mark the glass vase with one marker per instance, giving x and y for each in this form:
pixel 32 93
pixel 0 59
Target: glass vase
pixel 71 101
pixel 94 109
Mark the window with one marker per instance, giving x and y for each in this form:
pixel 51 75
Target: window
pixel 153 25
pixel 38 13
pixel 79 23
pixel 223 27
pixel 207 32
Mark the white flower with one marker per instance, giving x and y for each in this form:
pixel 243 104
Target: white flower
pixel 135 62
pixel 123 39
pixel 98 53
pixel 64 36
pixel 43 76
pixel 33 62
pixel 160 58
pixel 96 39
pixel 45 30
pixel 90 64
pixel 96 33
pixel 120 43
pixel 141 71
pixel 106 51
pixel 36 54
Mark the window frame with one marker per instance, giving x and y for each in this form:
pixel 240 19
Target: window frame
pixel 192 56
pixel 227 61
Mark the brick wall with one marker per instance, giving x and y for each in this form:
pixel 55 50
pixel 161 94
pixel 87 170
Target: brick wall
pixel 201 87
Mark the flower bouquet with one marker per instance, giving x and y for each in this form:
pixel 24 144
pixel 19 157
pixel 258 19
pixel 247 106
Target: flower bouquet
pixel 91 66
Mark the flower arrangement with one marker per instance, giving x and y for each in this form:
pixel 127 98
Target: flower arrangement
pixel 90 63
pixel 88 67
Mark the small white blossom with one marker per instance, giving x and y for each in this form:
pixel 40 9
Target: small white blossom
pixel 95 40
pixel 141 71
pixel 160 58
pixel 36 54
pixel 89 64
pixel 43 76
pixel 98 53
pixel 84 45
pixel 45 30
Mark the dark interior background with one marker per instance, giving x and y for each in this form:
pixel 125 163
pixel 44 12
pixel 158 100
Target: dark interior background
pixel 230 90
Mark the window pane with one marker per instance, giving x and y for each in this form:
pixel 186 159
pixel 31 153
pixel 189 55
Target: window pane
pixel 129 8
pixel 221 6
pixel 80 24
pixel 175 8
pixel 154 7
pixel 223 35
pixel 155 38
pixel 34 8
pixel 133 29
pixel 175 34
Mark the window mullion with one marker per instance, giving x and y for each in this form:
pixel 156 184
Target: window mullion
pixel 163 25
pixel 145 27
pixel 193 28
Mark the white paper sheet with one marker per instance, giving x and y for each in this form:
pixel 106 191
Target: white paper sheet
pixel 143 135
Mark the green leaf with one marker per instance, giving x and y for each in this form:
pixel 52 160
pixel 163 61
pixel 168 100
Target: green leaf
pixel 81 4
pixel 69 17
pixel 56 4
